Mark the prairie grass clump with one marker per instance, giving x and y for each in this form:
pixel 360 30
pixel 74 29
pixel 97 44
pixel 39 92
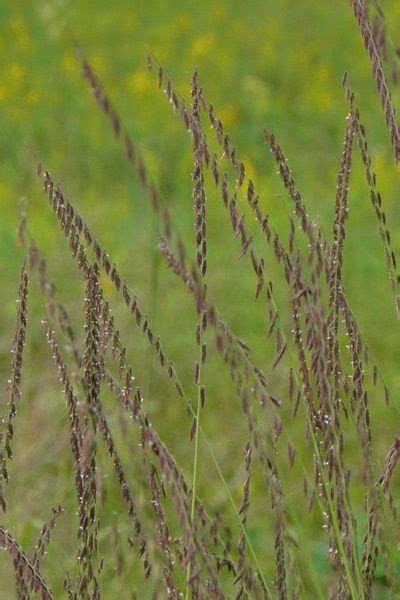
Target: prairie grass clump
pixel 308 426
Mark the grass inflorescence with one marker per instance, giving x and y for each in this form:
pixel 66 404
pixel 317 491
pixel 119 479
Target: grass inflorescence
pixel 167 527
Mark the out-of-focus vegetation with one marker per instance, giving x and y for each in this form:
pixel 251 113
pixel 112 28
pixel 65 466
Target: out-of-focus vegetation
pixel 275 64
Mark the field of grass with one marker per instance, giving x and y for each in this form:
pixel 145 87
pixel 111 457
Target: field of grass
pixel 275 65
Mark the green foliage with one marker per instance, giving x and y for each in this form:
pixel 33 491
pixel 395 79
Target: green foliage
pixel 277 65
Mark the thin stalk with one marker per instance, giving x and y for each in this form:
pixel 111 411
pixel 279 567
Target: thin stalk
pixel 200 229
pixel 196 444
pixel 335 523
pixel 329 499
pixel 195 464
pixel 333 515
pixel 153 293
pixel 231 500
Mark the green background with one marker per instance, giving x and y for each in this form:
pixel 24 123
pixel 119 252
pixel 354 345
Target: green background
pixel 275 64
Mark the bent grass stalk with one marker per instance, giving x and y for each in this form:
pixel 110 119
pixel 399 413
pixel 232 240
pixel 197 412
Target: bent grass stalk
pixel 201 257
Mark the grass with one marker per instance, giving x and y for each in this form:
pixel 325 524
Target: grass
pixel 293 351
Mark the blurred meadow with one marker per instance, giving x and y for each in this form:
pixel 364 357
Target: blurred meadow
pixel 275 64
